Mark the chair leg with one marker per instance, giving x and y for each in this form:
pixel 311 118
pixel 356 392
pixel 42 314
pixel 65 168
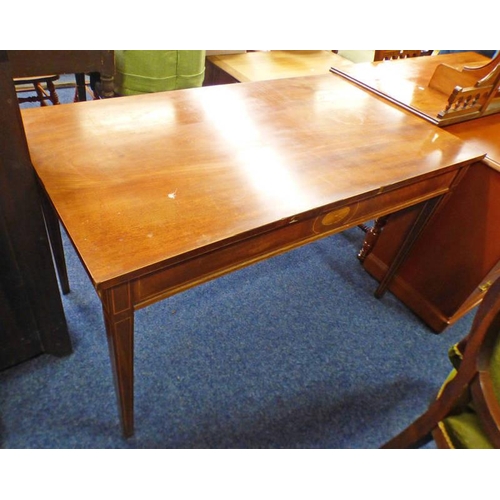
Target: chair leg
pixel 54 98
pixel 42 96
pixel 40 93
pixel 372 235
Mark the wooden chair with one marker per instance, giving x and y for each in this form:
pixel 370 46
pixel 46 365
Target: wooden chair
pixel 25 63
pixel 466 412
pixel 388 55
pixel 41 94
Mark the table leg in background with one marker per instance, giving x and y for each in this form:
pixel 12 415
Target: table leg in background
pixel 425 214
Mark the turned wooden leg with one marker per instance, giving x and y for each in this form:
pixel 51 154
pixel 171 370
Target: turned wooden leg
pixel 54 98
pixel 118 310
pixel 55 240
pixel 423 217
pixel 40 93
pixel 107 86
pixel 372 235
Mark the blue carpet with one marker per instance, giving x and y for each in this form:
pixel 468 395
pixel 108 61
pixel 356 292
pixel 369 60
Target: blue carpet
pixel 293 352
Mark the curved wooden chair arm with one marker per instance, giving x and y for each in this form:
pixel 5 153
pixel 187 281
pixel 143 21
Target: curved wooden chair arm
pixel 472 375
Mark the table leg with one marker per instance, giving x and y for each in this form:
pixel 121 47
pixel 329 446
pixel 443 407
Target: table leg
pixel 107 87
pixel 81 91
pixel 423 217
pixel 118 310
pixel 55 240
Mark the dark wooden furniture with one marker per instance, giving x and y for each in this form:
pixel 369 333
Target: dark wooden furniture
pixel 269 65
pixel 41 62
pixel 32 317
pixel 162 192
pixel 458 254
pixel 471 395
pixel 37 83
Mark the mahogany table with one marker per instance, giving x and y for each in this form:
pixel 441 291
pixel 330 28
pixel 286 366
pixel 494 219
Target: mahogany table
pixel 162 192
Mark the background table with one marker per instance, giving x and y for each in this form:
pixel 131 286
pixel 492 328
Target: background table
pixel 270 65
pixel 458 255
pixel 405 82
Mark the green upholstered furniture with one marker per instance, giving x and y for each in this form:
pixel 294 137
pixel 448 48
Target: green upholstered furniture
pixel 145 71
pixel 463 429
pixel 466 412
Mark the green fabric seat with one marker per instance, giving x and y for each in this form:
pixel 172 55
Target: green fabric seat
pixel 146 71
pixel 464 429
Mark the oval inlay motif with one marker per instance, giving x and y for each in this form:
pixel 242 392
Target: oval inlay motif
pixel 335 216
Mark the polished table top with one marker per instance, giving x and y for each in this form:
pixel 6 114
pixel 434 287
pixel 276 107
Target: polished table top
pixel 141 182
pixel 274 64
pixel 483 133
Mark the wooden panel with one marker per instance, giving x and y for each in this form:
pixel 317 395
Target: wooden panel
pixel 19 334
pixel 29 288
pixel 43 62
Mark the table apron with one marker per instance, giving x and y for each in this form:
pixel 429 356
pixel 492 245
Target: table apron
pixel 191 272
